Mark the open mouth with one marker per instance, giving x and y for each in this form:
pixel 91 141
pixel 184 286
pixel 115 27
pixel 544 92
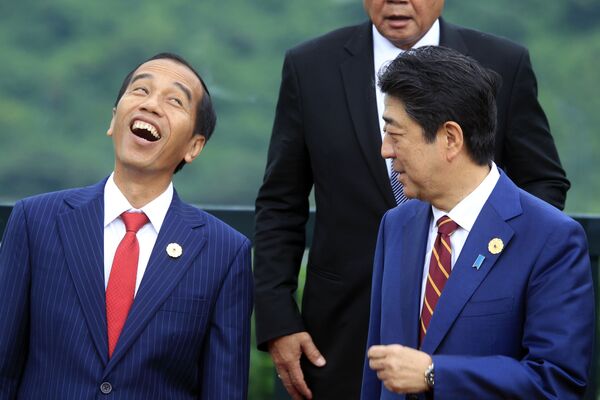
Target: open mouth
pixel 145 130
pixel 398 19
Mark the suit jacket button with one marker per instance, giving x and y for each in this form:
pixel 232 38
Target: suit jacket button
pixel 105 387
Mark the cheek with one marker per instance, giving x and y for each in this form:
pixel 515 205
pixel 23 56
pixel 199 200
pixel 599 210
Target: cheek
pixel 399 149
pixel 415 162
pixel 374 10
pixel 180 130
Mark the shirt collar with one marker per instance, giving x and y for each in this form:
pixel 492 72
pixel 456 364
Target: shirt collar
pixel 467 210
pixel 385 51
pixel 115 203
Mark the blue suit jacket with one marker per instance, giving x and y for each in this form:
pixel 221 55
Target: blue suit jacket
pixel 520 326
pixel 188 332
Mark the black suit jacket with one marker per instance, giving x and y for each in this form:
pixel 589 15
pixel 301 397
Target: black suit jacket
pixel 326 135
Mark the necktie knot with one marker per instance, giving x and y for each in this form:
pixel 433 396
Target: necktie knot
pixel 446 226
pixel 134 221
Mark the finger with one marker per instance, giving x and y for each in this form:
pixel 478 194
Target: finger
pixel 376 364
pixel 377 351
pixel 287 373
pixel 289 387
pixel 389 386
pixel 297 380
pixel 312 353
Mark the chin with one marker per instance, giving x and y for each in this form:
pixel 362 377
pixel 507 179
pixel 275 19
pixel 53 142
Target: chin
pixel 410 194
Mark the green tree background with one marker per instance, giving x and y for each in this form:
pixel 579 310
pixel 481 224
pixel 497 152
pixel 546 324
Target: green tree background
pixel 63 62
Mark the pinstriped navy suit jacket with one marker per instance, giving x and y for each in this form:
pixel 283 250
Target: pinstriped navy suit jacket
pixel 188 332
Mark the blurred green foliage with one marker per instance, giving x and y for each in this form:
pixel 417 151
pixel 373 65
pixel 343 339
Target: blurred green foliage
pixel 63 63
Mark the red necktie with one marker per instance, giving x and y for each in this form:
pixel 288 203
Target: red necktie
pixel 439 271
pixel 121 283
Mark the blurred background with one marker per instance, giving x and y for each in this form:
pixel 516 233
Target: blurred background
pixel 63 62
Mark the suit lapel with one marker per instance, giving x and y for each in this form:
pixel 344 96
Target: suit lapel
pixel 411 271
pixel 358 76
pixel 491 223
pixel 163 272
pixel 82 235
pixel 450 37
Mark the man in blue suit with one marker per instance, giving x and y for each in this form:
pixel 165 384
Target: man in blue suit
pixel 480 290
pixel 85 317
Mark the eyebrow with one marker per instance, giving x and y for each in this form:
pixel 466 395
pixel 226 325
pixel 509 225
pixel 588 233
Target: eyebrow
pixel 185 90
pixel 388 120
pixel 140 76
pixel 181 86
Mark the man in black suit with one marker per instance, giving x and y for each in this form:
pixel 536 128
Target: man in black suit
pixel 327 134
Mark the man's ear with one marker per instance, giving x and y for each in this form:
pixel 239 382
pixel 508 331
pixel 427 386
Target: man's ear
pixel 453 139
pixel 196 145
pixel 109 132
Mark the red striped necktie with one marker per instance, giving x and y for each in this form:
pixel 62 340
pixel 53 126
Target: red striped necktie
pixel 121 283
pixel 439 271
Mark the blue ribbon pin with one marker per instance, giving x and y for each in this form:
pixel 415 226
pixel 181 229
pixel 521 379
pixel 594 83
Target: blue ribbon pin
pixel 478 262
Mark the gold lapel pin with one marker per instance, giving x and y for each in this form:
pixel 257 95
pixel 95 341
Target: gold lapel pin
pixel 495 245
pixel 174 250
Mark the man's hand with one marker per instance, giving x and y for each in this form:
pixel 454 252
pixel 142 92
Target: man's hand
pixel 401 369
pixel 286 352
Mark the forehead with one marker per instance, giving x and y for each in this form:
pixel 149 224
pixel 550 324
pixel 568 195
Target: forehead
pixel 170 72
pixel 395 114
pixel 393 106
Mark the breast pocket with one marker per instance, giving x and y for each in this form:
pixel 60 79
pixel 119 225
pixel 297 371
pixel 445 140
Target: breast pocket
pixel 185 305
pixel 488 307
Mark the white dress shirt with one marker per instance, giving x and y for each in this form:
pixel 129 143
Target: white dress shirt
pixel 385 51
pixel 115 204
pixel 465 214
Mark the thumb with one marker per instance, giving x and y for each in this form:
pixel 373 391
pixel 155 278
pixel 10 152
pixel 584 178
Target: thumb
pixel 312 353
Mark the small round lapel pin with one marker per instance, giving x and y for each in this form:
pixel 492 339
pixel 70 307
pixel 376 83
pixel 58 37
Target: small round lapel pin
pixel 495 245
pixel 174 250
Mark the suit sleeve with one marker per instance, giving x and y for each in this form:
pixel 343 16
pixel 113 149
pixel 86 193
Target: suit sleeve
pixel 227 349
pixel 371 385
pixel 530 157
pixel 557 338
pixel 14 312
pixel 282 210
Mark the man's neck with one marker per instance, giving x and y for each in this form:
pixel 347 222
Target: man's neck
pixel 140 189
pixel 462 183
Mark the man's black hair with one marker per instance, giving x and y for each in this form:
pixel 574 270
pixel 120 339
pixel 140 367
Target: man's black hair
pixel 437 84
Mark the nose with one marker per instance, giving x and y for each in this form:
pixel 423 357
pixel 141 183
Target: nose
pixel 151 104
pixel 387 149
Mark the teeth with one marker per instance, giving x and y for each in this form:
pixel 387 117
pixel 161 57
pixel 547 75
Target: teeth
pixel 146 126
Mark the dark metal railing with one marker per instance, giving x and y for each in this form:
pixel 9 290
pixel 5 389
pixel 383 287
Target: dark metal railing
pixel 242 219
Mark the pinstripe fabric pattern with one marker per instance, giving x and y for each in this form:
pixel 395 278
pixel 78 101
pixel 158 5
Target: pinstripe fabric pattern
pixel 397 187
pixel 188 332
